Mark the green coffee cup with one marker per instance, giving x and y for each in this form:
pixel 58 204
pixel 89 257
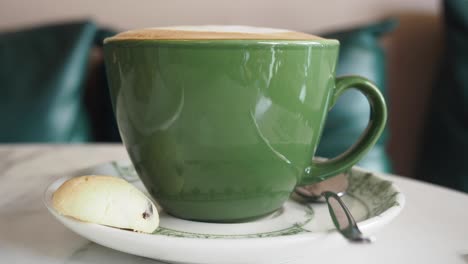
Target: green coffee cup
pixel 224 128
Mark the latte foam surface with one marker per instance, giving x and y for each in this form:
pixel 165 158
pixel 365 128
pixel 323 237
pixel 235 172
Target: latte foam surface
pixel 212 32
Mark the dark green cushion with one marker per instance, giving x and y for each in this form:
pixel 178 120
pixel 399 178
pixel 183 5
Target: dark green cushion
pixel 444 153
pixel 104 124
pixel 360 54
pixel 42 75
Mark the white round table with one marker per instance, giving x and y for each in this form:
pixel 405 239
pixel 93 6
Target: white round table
pixel 432 228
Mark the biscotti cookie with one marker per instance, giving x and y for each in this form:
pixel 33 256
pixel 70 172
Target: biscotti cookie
pixel 106 200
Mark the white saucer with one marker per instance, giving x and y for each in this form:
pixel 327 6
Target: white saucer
pixel 293 231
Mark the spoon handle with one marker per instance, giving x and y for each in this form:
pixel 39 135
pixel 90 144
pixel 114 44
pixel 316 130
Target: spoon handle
pixel 343 220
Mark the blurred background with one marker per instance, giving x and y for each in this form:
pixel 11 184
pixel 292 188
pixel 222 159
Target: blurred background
pixel 54 89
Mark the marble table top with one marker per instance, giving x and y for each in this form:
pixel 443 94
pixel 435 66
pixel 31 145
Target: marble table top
pixel 433 227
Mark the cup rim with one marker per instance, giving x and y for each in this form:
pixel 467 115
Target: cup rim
pixel 322 42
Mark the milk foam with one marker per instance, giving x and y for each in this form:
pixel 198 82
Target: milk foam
pixel 212 32
pixel 226 29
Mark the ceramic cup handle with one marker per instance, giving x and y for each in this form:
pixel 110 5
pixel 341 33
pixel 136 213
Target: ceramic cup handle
pixel 321 170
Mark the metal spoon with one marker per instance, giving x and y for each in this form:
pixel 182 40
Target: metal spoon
pixel 330 191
